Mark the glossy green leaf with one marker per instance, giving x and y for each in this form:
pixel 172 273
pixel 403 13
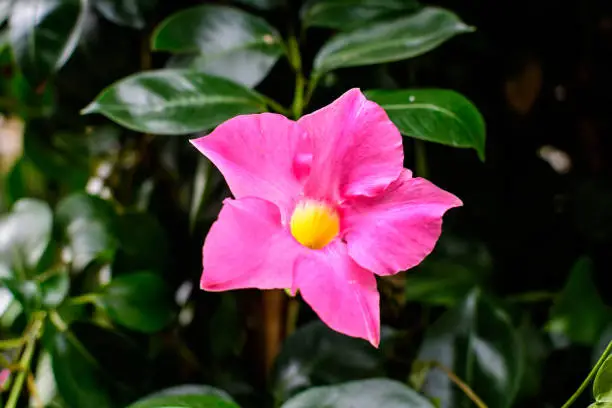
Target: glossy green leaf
pixel 262 4
pixel 25 234
pixel 602 386
pixel 139 301
pixel 579 312
pixel 27 293
pixel 88 226
pixel 390 40
pixel 44 34
pixel 316 355
pixel 79 379
pixel 477 341
pixel 189 389
pixel 360 394
pixel 435 115
pixel 185 401
pixel 346 15
pixel 129 13
pixel 142 243
pixel 55 288
pixel 445 277
pixel 221 41
pixel 174 102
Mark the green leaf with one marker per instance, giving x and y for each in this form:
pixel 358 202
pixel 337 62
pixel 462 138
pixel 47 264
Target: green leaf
pixel 579 312
pixel 390 40
pixel 129 13
pixel 27 293
pixel 360 394
pixel 88 225
pixel 602 386
pixel 77 375
pixel 346 15
pixel 139 301
pixel 315 354
pixel 221 41
pixel 44 34
pixel 435 115
pixel 55 289
pixel 262 4
pixel 457 266
pixel 142 244
pixel 25 234
pixel 185 401
pixel 477 341
pixel 188 389
pixel 174 102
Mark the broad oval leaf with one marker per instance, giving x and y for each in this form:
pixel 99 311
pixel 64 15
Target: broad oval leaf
pixel 579 313
pixel 174 102
pixel 139 301
pixel 346 15
pixel 390 40
pixel 360 394
pixel 222 41
pixel 185 401
pixel 142 243
pixel 317 355
pixel 602 386
pixel 129 13
pixel 262 4
pixel 25 234
pixel 476 340
pixel 79 379
pixel 435 115
pixel 88 226
pixel 188 389
pixel 44 34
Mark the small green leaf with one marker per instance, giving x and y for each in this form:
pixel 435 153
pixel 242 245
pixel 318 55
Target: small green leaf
pixel 390 40
pixel 27 293
pixel 435 115
pixel 315 354
pixel 470 340
pixel 129 13
pixel 360 394
pixel 262 4
pixel 25 234
pixel 579 312
pixel 346 15
pixel 185 401
pixel 44 34
pixel 188 389
pixel 142 243
pixel 221 41
pixel 77 375
pixel 139 301
pixel 602 387
pixel 174 102
pixel 55 289
pixel 88 225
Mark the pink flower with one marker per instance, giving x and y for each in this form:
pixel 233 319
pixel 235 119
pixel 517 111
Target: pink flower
pixel 322 205
pixel 4 376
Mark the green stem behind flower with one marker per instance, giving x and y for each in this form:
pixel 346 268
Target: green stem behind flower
pixel 589 378
pixel 420 158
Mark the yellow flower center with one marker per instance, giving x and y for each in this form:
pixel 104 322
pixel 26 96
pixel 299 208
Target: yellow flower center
pixel 314 224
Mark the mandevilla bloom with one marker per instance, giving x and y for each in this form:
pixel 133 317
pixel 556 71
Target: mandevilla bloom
pixel 322 205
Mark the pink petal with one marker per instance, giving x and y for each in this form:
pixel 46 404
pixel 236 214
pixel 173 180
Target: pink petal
pixel 343 294
pixel 357 149
pixel 257 155
pixel 398 229
pixel 248 248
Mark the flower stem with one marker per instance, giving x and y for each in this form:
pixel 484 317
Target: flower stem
pixel 420 158
pixel 295 59
pixel 11 343
pixel 277 107
pixel 89 298
pixel 459 383
pixel 590 377
pixel 24 362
